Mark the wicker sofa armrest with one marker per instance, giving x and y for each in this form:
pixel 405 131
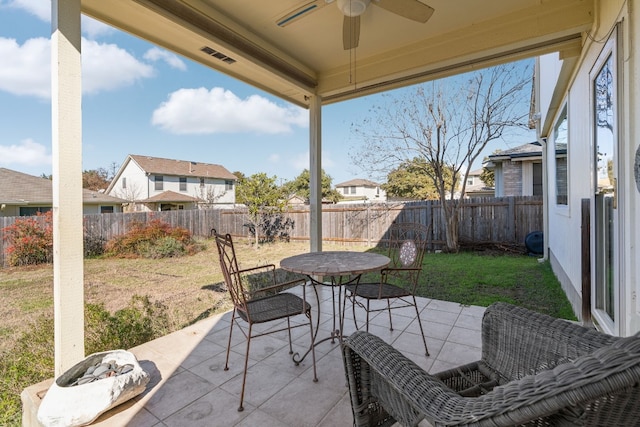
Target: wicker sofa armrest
pixel 517 342
pixel 590 389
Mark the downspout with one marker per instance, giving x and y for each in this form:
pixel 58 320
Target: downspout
pixel 545 178
pixel 545 199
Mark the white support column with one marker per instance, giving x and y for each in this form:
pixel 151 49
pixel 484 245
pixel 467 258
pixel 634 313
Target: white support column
pixel 66 99
pixel 315 172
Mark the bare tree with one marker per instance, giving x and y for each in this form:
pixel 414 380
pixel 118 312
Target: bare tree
pixel 210 196
pixel 131 193
pixel 448 124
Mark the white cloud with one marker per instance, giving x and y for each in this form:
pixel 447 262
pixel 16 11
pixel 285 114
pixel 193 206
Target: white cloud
pixel 41 9
pixel 157 54
pixel 274 158
pixel 202 111
pixel 108 67
pixel 93 28
pixel 27 152
pixel 26 68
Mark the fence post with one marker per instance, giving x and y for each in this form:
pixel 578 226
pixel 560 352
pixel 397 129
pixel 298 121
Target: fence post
pixel 586 262
pixel 511 224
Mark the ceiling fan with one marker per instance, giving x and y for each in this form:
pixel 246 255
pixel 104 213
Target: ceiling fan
pixel 352 9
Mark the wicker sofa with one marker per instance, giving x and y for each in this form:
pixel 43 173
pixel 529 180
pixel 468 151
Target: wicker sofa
pixel 535 370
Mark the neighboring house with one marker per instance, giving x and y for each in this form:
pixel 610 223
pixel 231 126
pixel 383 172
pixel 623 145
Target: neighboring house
pixel 587 113
pixel 361 190
pixel 476 187
pixel 517 171
pixel 295 200
pixel 24 195
pixel 157 184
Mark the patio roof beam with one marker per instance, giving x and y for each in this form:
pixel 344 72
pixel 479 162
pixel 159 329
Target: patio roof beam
pixel 232 39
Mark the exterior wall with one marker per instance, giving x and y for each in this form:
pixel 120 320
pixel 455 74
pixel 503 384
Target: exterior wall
pixel 499 180
pixel 550 67
pixel 139 186
pixel 10 210
pixel 565 220
pixel 212 186
pixel 512 178
pixel 14 210
pixel 574 297
pixel 95 209
pixel 373 194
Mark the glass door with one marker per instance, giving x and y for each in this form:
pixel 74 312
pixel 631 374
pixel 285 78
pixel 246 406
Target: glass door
pixel 606 288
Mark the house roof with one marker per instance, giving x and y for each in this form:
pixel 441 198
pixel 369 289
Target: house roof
pixel 358 183
pixel 17 188
pixel 476 172
pixel 532 149
pixel 170 197
pixel 160 166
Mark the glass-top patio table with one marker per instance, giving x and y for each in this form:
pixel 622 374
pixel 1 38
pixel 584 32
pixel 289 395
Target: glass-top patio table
pixel 342 267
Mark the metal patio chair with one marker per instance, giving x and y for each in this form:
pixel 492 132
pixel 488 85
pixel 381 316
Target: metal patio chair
pixel 257 306
pixel 397 283
pixel 535 370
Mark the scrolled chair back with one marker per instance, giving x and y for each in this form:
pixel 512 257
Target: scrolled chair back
pixel 230 270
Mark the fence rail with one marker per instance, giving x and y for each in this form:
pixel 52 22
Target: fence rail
pixel 505 220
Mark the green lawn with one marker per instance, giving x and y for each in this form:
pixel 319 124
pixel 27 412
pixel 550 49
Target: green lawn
pixel 478 279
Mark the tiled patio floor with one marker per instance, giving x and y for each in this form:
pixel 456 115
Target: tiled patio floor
pixel 190 388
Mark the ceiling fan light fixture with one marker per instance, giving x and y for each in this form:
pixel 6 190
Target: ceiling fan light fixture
pixel 353 8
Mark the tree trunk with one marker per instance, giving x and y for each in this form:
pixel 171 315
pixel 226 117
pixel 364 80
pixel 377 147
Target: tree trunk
pixel 451 227
pixel 451 232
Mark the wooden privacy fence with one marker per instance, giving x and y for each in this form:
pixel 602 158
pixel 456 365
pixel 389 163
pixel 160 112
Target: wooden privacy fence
pixel 505 220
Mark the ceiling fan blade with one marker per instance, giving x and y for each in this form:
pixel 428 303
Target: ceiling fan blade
pixel 350 32
pixel 300 12
pixel 410 9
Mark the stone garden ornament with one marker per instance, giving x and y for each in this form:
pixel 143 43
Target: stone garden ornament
pixel 91 387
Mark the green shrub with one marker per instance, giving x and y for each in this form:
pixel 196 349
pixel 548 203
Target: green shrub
pixel 164 247
pixel 30 240
pixel 32 359
pixel 139 322
pixel 154 239
pixel 94 243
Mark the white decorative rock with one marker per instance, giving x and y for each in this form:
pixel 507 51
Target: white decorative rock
pixel 79 405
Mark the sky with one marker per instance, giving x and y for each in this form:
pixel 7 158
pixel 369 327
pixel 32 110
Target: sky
pixel 141 99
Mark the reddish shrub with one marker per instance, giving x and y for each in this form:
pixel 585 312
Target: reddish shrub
pixel 153 239
pixel 30 240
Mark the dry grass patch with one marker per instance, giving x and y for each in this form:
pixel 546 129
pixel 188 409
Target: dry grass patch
pixel 190 286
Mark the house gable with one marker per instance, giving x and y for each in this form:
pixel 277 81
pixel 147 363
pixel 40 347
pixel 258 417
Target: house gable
pixel 144 178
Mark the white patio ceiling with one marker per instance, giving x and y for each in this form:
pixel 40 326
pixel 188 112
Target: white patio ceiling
pixel 307 58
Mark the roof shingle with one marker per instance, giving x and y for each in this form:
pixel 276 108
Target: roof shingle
pixel 19 188
pixel 160 166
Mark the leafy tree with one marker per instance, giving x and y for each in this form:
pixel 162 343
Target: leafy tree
pixel 239 175
pixel 301 187
pixel 448 131
pixel 263 197
pixel 488 176
pixel 96 179
pixel 412 179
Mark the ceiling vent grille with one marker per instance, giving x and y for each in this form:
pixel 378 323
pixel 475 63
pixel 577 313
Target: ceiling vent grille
pixel 221 56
